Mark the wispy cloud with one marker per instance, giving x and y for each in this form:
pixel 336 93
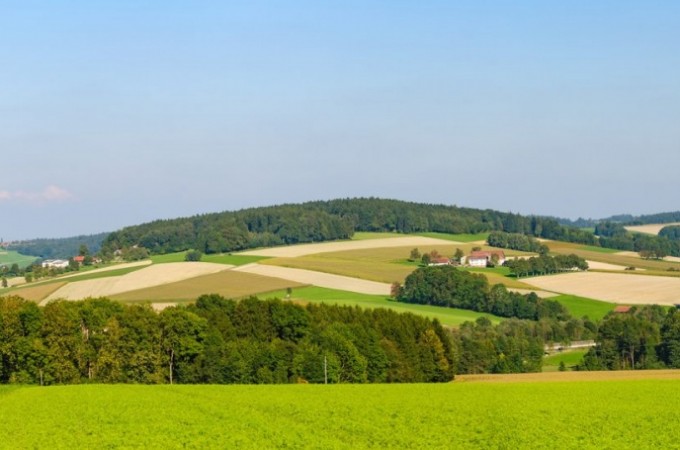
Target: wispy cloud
pixel 51 193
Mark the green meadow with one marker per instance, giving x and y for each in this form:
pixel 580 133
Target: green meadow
pixel 234 260
pixel 447 316
pixel 461 415
pixel 580 306
pixel 569 358
pixel 9 257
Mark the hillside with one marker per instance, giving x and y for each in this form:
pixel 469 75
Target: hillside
pixel 325 221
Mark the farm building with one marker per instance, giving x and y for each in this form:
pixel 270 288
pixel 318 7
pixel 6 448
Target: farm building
pixel 56 263
pixel 440 261
pixel 622 309
pixel 483 258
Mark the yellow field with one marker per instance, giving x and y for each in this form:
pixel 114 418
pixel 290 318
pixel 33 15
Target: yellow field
pixel 228 283
pixel 654 228
pixel 385 265
pixel 626 259
pixel 613 287
pixel 37 293
pixel 613 375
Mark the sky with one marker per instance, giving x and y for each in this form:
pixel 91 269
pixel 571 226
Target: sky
pixel 114 113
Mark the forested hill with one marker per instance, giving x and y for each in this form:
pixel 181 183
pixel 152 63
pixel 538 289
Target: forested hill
pixel 59 247
pixel 324 221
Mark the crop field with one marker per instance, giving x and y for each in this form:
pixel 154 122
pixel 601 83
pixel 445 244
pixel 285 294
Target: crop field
pixel 468 415
pixel 36 293
pixel 447 316
pixel 229 259
pixel 384 265
pixel 154 275
pixel 228 283
pixel 321 279
pixel 616 257
pixel 9 257
pixel 580 306
pixel 613 287
pixel 458 237
pixel 650 228
pixel 294 251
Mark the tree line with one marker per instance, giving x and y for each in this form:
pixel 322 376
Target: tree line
pixel 614 235
pixel 450 287
pixel 217 341
pixel 545 265
pixel 516 241
pixel 644 338
pixel 59 248
pixel 323 221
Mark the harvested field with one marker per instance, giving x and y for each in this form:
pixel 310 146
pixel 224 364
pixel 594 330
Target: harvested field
pixel 156 275
pixel 614 287
pixel 616 257
pixel 227 283
pixel 597 265
pixel 620 375
pixel 319 279
pixel 384 265
pixel 146 262
pixel 654 228
pixel 311 249
pixel 37 293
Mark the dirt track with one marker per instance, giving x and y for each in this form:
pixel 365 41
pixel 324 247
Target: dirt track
pixel 613 287
pixel 319 279
pixel 155 275
pixel 310 249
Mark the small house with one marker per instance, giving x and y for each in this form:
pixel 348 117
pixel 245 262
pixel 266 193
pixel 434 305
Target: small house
pixel 440 261
pixel 484 258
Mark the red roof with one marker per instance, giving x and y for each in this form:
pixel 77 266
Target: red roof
pixel 488 254
pixel 441 260
pixel 622 309
pixel 79 259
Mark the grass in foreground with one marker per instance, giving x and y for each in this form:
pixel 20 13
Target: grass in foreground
pixel 581 306
pixel 447 316
pixel 465 415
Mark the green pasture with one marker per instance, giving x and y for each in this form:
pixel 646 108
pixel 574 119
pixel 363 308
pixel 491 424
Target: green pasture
pixel 570 358
pixel 366 235
pixel 447 316
pixel 221 258
pixel 467 415
pixel 457 237
pixel 581 306
pixel 9 257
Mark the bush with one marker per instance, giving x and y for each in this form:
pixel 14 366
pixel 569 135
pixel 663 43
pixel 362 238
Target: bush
pixel 193 255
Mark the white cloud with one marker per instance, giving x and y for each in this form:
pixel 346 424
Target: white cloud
pixel 51 193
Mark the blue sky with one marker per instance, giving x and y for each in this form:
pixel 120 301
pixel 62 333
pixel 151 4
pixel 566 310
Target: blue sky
pixel 116 113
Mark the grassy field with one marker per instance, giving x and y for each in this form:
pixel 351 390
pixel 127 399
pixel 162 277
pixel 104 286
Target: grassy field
pixel 571 358
pixel 234 260
pixel 228 283
pixel 465 415
pixel 581 306
pixel 9 257
pixel 447 316
pixel 385 265
pixel 457 237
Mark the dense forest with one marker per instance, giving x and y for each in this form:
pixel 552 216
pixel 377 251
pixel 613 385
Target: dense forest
pixel 644 338
pixel 323 221
pixel 516 241
pixel 454 288
pixel 254 341
pixel 63 248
